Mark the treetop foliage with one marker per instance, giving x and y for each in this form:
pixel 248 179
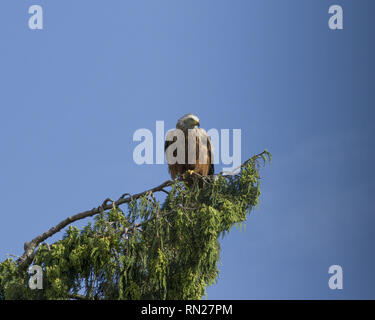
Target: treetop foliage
pixel 154 248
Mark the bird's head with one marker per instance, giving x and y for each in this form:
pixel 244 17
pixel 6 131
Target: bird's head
pixel 188 121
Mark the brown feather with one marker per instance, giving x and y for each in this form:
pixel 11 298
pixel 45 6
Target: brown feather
pixel 203 168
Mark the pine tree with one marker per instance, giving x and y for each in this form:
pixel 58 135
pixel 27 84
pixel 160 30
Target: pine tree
pixel 154 248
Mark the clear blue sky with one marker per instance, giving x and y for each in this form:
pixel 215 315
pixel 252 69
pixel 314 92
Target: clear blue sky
pixel 73 93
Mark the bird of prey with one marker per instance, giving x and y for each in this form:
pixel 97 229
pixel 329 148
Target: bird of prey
pixel 188 149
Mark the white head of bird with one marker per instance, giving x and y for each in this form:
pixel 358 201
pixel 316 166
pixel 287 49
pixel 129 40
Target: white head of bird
pixel 188 121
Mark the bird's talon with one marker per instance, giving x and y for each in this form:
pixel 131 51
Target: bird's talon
pixel 187 173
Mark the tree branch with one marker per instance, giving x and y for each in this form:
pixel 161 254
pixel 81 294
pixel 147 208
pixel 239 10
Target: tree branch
pixel 29 247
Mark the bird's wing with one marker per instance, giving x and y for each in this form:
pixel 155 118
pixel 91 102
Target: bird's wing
pixel 210 150
pixel 169 140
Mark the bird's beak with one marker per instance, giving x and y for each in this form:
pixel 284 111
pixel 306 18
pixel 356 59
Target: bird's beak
pixel 198 124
